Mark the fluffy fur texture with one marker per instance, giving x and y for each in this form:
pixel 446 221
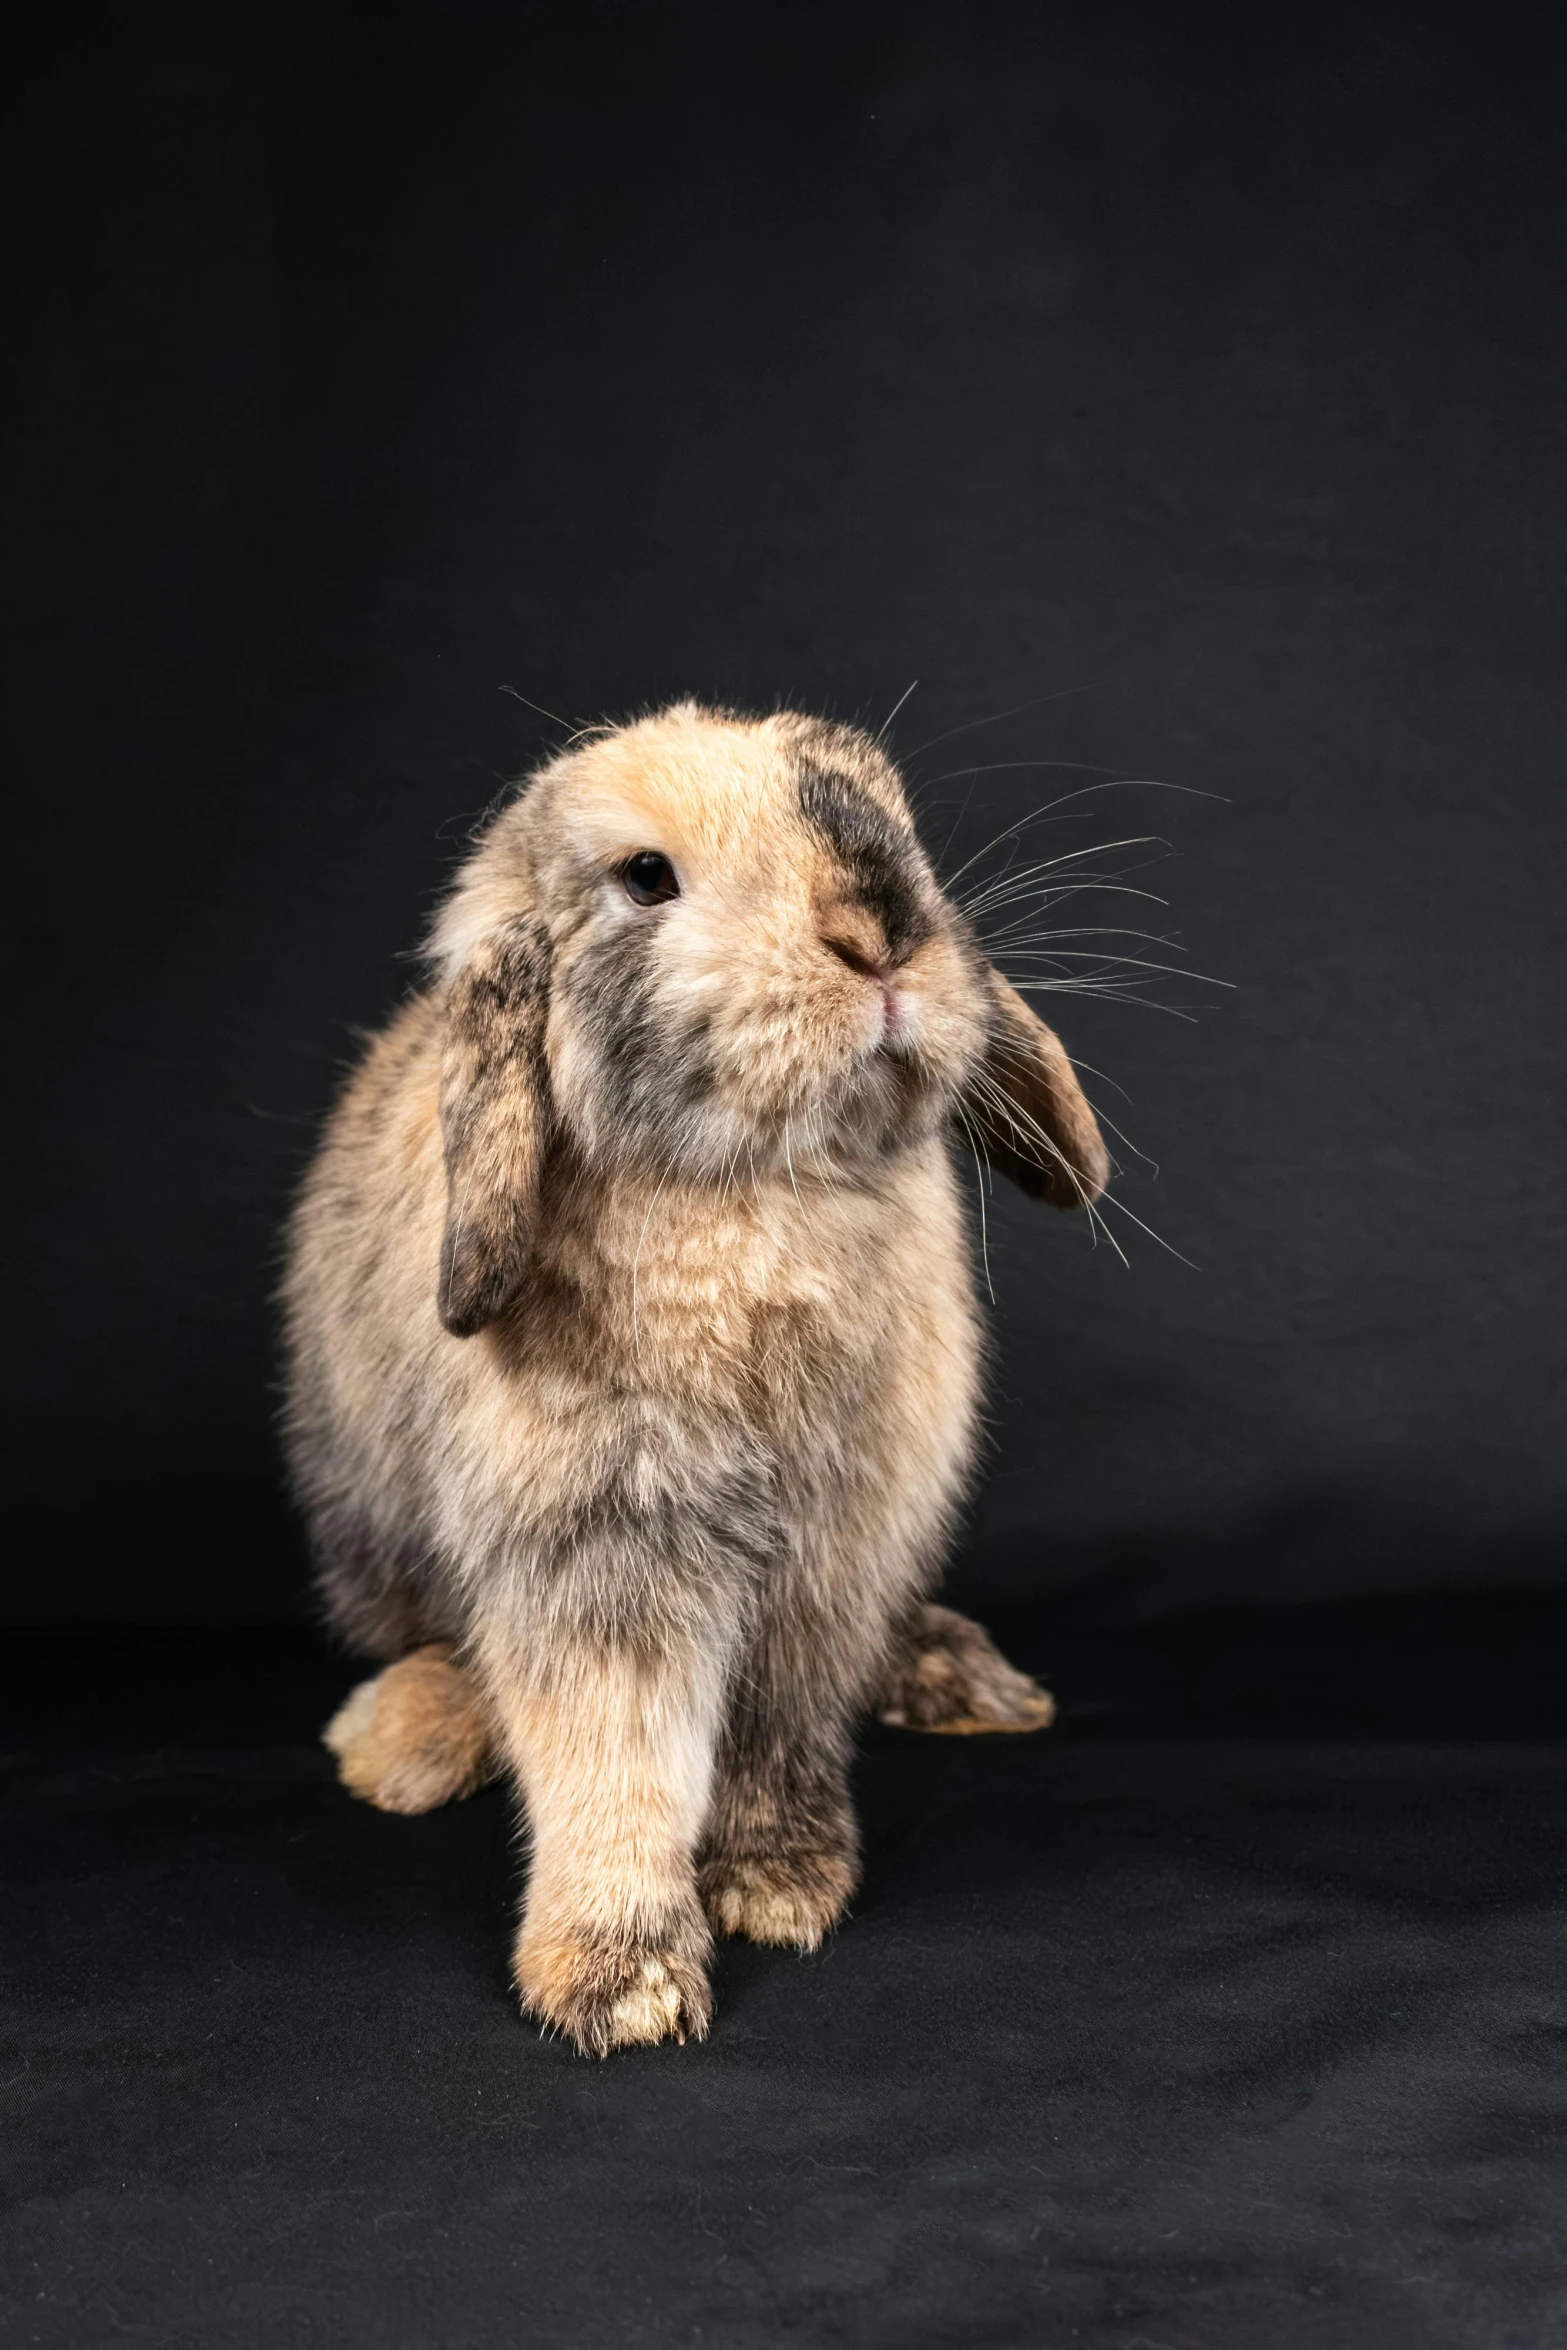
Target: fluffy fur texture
pixel 632 1341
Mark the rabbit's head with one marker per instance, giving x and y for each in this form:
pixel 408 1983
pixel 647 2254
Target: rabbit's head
pixel 713 948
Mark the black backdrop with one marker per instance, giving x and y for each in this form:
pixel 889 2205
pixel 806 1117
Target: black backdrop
pixel 1193 378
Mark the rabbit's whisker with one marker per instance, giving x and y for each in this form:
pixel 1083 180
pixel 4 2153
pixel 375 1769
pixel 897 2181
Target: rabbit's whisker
pixel 1022 1123
pixel 553 715
pixel 881 731
pixel 1107 990
pixel 1016 940
pixel 1037 702
pixel 1024 888
pixel 1040 897
pixel 1120 1134
pixel 1118 963
pixel 1113 1083
pixel 1157 1238
pixel 1021 1119
pixel 980 1174
pixel 1074 766
pixel 1098 848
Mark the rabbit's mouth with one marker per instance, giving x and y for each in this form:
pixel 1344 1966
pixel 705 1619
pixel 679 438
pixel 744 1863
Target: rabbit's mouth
pixel 900 1021
pixel 890 1020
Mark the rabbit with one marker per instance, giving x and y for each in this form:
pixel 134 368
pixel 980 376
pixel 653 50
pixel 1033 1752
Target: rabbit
pixel 633 1358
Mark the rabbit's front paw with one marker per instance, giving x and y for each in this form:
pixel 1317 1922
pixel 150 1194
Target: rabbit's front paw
pixel 606 1993
pixel 793 1897
pixel 415 1737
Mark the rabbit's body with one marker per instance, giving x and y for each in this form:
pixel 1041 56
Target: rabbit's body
pixel 782 1376
pixel 677 1459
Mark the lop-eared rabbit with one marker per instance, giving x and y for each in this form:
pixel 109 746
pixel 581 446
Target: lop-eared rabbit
pixel 633 1349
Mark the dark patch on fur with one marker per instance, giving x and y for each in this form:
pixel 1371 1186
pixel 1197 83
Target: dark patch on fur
pixel 494 1116
pixel 782 1819
pixel 628 1571
pixel 880 860
pixel 652 1075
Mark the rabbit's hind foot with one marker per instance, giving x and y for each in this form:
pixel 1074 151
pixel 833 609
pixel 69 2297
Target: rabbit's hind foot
pixel 790 1897
pixel 951 1677
pixel 415 1737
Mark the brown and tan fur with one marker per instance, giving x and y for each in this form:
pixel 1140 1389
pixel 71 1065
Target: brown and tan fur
pixel 633 1347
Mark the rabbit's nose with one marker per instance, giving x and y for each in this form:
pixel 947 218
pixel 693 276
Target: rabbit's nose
pixel 861 950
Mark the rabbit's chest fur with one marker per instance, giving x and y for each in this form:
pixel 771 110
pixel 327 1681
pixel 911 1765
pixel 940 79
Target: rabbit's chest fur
pixel 746 1380
pixel 754 1382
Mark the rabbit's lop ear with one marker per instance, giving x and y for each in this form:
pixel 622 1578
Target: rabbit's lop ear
pixel 494 1122
pixel 1029 1111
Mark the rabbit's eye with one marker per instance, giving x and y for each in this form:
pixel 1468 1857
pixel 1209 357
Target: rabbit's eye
pixel 650 879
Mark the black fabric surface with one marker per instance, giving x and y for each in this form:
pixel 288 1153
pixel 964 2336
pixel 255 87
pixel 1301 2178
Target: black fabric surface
pixel 1176 394
pixel 1174 390
pixel 1212 2021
